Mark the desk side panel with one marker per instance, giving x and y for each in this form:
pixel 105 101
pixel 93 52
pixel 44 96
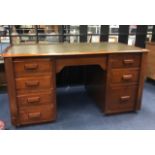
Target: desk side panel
pixel 95 84
pixel 141 80
pixel 10 77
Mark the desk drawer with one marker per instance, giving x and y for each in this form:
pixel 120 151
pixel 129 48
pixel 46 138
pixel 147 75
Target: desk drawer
pixel 35 99
pixel 122 98
pixel 125 60
pixel 37 114
pixel 33 83
pixel 124 75
pixel 26 67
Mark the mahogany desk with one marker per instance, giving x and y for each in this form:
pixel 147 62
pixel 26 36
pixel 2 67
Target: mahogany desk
pixel 116 84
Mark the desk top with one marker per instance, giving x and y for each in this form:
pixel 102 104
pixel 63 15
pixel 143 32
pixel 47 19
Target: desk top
pixel 68 49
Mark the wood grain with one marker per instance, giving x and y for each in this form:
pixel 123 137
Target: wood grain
pixel 142 76
pixel 151 60
pixel 10 77
pixel 62 62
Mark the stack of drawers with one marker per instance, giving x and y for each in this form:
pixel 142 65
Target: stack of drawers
pixel 123 82
pixel 34 86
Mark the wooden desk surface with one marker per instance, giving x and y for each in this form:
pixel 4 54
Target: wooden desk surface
pixel 62 49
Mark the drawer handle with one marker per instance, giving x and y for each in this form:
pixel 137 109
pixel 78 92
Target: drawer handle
pixel 128 61
pixel 33 100
pixel 125 98
pixel 35 115
pixel 127 77
pixel 30 66
pixel 32 83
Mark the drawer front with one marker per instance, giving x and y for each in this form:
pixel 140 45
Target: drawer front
pixel 33 83
pixel 122 98
pixel 37 114
pixel 35 99
pixel 30 67
pixel 125 60
pixel 124 75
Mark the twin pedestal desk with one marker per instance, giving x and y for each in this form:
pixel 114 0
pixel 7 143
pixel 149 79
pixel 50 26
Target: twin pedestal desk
pixel 116 83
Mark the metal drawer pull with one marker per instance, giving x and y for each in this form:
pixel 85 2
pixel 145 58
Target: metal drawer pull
pixel 127 77
pixel 32 83
pixel 128 61
pixel 35 115
pixel 33 100
pixel 125 98
pixel 30 66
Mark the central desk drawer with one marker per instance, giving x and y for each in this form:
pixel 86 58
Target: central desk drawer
pixel 125 60
pixel 124 75
pixel 35 99
pixel 37 114
pixel 26 67
pixel 33 83
pixel 79 61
